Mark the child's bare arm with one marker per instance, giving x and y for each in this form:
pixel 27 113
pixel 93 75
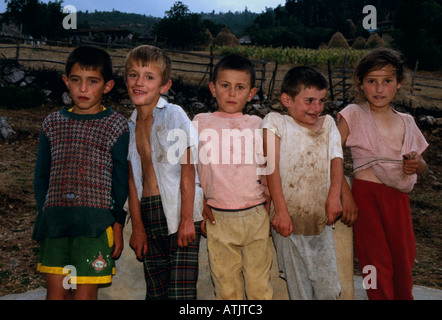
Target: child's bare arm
pixel 349 208
pixel 138 238
pixel 186 229
pixel 282 221
pixel 333 206
pixel 207 215
pixel 118 240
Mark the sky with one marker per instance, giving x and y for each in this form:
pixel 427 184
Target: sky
pixel 156 8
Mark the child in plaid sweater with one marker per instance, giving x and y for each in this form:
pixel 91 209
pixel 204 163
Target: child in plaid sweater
pixel 81 182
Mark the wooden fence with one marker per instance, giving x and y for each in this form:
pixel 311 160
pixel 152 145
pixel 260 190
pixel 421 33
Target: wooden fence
pixel 182 61
pixel 418 86
pixel 343 83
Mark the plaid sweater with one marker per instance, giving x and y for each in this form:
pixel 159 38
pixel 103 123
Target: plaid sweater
pixel 81 174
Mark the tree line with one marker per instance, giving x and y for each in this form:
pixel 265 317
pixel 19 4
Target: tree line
pixel 414 24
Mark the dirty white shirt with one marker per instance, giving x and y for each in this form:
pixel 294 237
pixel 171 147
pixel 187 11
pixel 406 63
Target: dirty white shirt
pixel 171 134
pixel 304 167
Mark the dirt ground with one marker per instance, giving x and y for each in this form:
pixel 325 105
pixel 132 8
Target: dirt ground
pixel 18 252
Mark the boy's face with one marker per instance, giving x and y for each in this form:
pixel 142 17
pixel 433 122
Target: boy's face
pixel 144 84
pixel 306 107
pixel 86 87
pixel 379 87
pixel 232 90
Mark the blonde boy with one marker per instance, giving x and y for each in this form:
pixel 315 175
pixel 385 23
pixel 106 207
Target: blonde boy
pixel 165 200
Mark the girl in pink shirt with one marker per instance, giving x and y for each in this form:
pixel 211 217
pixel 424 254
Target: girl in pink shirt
pixel 386 148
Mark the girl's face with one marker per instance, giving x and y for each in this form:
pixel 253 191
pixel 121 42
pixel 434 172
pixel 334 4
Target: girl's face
pixel 379 87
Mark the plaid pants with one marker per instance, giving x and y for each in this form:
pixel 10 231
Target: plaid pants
pixel 171 272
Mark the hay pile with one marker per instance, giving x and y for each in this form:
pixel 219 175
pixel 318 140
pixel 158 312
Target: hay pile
pixel 338 41
pixel 226 38
pixel 359 43
pixel 375 41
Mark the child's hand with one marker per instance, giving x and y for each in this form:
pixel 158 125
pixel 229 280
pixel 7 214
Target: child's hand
pixel 410 163
pixel 282 223
pixel 333 209
pixel 207 215
pixel 186 233
pixel 118 240
pixel 138 242
pixel 349 208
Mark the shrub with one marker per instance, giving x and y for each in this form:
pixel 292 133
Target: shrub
pixel 14 97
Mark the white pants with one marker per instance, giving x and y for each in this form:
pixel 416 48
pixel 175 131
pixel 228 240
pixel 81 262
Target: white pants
pixel 309 265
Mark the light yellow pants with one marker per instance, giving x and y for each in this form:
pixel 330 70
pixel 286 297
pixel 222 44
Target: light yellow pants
pixel 240 254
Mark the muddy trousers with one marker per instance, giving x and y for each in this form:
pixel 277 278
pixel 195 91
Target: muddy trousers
pixel 171 272
pixel 309 265
pixel 384 240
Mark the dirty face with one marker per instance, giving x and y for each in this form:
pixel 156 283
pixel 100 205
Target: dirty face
pixel 306 107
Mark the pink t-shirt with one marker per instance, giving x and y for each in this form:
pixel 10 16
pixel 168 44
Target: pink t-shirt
pixel 228 147
pixel 369 150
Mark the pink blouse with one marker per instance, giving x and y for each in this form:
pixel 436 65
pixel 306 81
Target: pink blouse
pixel 369 150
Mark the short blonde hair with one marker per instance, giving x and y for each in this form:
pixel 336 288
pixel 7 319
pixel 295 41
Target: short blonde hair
pixel 147 55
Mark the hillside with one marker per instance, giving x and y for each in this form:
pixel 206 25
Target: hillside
pixel 137 23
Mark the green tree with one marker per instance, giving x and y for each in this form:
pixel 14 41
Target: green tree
pixel 417 33
pixel 36 19
pixel 181 28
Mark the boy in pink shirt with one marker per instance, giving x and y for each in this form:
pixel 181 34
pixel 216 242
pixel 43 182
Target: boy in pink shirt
pixel 238 239
pixel 387 149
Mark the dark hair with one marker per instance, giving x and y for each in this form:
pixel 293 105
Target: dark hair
pixel 377 59
pixel 90 58
pixel 235 62
pixel 298 77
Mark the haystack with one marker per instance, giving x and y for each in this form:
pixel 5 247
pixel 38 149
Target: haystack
pixel 359 43
pixel 226 38
pixel 338 41
pixel 375 41
pixel 208 39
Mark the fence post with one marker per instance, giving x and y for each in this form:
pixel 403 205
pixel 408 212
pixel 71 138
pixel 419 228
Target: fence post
pixel 412 82
pixel 263 79
pixel 211 61
pixel 330 80
pixel 344 76
pixel 272 81
pixel 17 51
